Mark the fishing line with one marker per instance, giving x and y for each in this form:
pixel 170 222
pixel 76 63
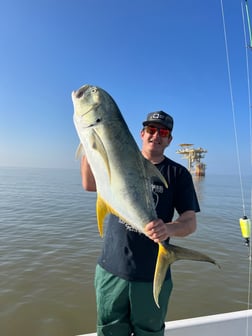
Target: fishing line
pixel 233 108
pixel 235 133
pixel 247 69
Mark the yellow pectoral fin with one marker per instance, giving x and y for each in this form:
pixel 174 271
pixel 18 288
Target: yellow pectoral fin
pixel 164 259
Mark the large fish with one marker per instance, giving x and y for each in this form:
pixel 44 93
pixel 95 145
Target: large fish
pixel 123 176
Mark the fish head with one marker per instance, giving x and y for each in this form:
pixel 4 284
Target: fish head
pixel 92 106
pixel 86 101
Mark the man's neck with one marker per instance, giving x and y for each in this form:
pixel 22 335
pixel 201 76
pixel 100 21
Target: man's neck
pixel 155 159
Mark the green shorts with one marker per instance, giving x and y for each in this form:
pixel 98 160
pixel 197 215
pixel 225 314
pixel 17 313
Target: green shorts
pixel 125 307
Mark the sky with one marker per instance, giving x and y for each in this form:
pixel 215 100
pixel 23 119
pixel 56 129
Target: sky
pixel 148 54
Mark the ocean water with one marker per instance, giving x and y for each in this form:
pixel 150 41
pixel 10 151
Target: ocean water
pixel 49 244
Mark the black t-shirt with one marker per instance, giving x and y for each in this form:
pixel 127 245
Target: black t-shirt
pixel 130 254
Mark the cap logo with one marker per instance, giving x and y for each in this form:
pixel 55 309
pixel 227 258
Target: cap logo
pixel 158 116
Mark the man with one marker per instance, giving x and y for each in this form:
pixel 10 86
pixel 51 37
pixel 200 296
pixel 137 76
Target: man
pixel 125 270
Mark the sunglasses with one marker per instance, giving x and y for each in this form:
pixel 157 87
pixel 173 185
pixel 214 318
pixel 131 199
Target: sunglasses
pixel 163 132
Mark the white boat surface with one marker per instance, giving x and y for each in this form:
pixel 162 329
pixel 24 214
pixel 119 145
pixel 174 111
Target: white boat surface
pixel 238 323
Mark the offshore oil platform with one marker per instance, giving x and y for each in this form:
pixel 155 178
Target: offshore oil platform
pixel 194 156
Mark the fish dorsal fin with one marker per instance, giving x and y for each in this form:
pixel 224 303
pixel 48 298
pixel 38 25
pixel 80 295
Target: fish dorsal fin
pixel 97 145
pixel 79 151
pixel 152 171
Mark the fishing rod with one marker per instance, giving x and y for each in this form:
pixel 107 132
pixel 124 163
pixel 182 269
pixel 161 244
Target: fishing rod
pixel 248 23
pixel 245 223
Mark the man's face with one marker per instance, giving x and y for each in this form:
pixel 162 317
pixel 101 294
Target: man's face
pixel 156 137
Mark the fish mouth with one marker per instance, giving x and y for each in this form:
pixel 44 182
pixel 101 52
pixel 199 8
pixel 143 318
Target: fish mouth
pixel 80 92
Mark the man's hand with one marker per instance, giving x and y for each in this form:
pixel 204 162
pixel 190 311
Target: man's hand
pixel 184 225
pixel 157 230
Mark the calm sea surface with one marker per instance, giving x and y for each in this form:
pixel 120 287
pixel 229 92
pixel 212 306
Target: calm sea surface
pixel 49 244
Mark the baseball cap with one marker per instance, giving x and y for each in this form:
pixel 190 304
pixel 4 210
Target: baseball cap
pixel 159 117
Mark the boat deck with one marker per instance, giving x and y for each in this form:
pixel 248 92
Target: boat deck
pixel 229 324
